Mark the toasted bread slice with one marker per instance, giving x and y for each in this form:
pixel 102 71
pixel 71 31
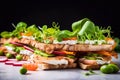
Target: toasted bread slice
pixel 45 66
pixel 87 66
pixel 58 62
pixel 49 48
pixel 93 64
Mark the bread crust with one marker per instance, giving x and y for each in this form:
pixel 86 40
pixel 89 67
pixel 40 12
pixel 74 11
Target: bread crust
pixel 45 66
pixel 92 64
pixel 49 48
pixel 87 67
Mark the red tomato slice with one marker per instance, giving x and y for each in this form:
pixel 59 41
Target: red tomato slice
pixel 60 53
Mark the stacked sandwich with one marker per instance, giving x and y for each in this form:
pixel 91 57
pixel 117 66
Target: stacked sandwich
pixel 87 46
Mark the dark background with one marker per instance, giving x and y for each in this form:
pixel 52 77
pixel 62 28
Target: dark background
pixel 101 12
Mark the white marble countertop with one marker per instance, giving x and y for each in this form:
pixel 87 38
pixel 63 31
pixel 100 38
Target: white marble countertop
pixel 9 72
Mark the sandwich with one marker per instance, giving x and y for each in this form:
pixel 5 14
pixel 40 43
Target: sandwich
pixel 86 46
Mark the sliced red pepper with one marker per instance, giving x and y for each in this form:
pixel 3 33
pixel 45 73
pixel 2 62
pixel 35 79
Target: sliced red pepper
pixel 60 53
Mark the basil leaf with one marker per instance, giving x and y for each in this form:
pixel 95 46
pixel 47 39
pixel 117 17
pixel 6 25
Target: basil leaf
pixel 88 27
pixel 77 26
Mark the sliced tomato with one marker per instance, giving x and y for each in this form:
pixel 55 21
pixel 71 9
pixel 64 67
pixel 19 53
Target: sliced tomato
pixel 30 66
pixel 60 53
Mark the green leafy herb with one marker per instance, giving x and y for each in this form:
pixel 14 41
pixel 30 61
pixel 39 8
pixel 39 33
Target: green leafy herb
pixel 17 49
pixel 63 34
pixel 43 53
pixel 50 34
pixel 71 56
pixel 91 72
pixel 77 26
pixel 6 34
pixel 88 27
pixel 117 48
pixel 92 56
pixel 83 29
pixel 87 74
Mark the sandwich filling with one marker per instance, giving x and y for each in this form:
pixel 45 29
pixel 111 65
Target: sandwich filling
pixel 51 47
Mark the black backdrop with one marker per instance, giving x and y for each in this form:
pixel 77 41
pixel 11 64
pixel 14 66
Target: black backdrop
pixel 101 12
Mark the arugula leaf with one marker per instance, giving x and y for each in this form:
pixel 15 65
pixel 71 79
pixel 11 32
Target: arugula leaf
pixel 49 34
pixel 21 26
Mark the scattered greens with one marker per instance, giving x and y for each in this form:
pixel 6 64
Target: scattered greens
pixel 90 72
pixel 23 70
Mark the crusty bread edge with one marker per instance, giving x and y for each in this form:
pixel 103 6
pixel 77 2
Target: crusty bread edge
pixel 87 67
pixel 49 48
pixel 44 66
